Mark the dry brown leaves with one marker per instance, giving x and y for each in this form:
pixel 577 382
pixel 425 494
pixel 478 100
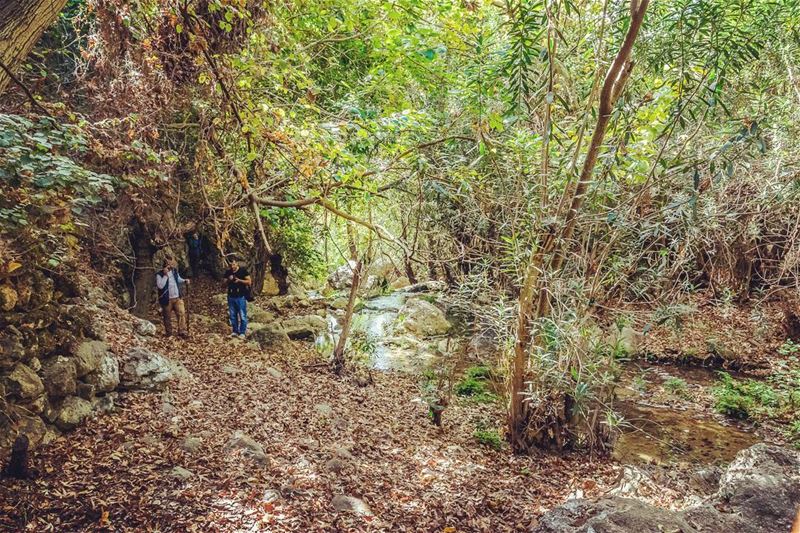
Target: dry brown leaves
pixel 114 474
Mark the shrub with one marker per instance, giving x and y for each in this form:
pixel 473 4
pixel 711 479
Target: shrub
pixel 489 437
pixel 677 387
pixel 475 385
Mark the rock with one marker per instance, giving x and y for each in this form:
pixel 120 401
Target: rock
pixel 274 373
pixel 148 370
pixel 106 377
pixel 323 409
pixel 38 405
pixel 86 391
pixel 256 314
pixel 8 298
pixel 35 364
pixel 342 277
pixel 88 356
pixel 71 412
pixel 304 327
pixel 59 376
pixel 270 496
pixel 232 370
pixel 400 283
pixel 706 480
pixel 758 493
pixel 145 327
pixel 763 485
pixel 250 447
pixel 23 382
pixel 427 286
pixel 611 515
pixel 339 303
pixel 335 466
pixel 423 319
pixel 192 444
pixel 269 336
pixel 344 504
pixel 105 404
pixel 181 473
pixel 31 426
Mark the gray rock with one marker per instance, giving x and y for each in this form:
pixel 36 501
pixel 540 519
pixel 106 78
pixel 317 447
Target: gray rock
pixel 71 412
pixel 274 373
pixel 611 515
pixel 335 466
pixel 148 370
pixel 248 445
pixel 106 377
pixel 181 473
pixel 269 336
pixel 88 356
pixel 23 382
pixel 145 327
pixel 59 376
pixel 105 404
pixel 323 409
pixel 342 277
pixel 423 319
pixel 759 492
pixel 427 286
pixel 270 496
pixel 344 504
pixel 304 327
pixel 35 364
pixel 256 314
pixel 192 444
pixel 31 426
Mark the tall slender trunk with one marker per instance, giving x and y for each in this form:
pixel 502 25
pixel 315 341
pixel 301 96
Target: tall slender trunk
pixel 534 302
pixel 144 272
pixel 22 23
pixel 338 352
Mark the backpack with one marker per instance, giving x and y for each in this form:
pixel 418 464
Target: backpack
pixel 248 295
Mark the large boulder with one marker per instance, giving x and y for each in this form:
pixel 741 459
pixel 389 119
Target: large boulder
pixel 23 382
pixel 88 355
pixel 422 318
pixel 257 314
pixel 305 327
pixel 59 375
pixel 611 515
pixel 758 493
pixel 148 370
pixel 25 424
pixel 71 412
pixel 106 377
pixel 763 484
pixel 268 335
pixel 342 277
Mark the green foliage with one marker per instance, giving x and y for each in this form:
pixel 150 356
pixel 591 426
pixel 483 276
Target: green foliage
pixel 475 385
pixel 747 398
pixel 677 387
pixel 489 437
pixel 294 237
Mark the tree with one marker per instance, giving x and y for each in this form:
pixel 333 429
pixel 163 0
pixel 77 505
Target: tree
pixel 21 24
pixel 534 301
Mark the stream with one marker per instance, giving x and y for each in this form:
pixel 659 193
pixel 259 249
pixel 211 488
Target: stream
pixel 661 424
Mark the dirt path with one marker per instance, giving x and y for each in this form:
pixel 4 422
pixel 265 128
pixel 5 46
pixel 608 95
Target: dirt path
pixel 322 436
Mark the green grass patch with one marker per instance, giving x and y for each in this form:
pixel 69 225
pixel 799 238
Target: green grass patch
pixel 489 437
pixel 475 385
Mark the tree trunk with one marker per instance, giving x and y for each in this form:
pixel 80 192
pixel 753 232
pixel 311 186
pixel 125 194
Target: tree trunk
pixel 534 301
pixel 22 22
pixel 143 272
pixel 338 352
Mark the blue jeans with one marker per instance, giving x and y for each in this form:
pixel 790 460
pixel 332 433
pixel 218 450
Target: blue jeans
pixel 237 308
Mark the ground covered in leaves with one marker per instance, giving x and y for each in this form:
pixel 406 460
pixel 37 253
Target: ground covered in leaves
pixel 163 461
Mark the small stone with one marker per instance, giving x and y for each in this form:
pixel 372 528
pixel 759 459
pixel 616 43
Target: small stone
pixel 8 298
pixel 335 466
pixel 323 409
pixel 232 370
pixel 105 404
pixel 250 447
pixel 270 496
pixel 274 372
pixel 181 473
pixel 145 327
pixel 344 503
pixel 192 444
pixel 106 377
pixel 35 364
pixel 167 408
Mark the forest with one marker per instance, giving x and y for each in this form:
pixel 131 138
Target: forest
pixel 359 265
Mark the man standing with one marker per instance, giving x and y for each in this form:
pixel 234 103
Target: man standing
pixel 169 298
pixel 238 281
pixel 195 246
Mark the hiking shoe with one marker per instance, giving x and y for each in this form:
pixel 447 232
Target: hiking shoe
pixel 233 335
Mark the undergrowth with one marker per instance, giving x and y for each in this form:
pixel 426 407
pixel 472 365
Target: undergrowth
pixel 475 385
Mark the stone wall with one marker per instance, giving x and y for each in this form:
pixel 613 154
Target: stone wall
pixel 55 368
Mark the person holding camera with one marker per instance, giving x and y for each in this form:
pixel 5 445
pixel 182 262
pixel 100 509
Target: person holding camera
pixel 168 282
pixel 238 281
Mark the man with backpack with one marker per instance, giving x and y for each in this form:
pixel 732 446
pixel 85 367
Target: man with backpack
pixel 168 282
pixel 238 281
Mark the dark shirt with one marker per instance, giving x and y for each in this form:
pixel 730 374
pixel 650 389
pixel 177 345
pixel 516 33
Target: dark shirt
pixel 194 246
pixel 237 289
